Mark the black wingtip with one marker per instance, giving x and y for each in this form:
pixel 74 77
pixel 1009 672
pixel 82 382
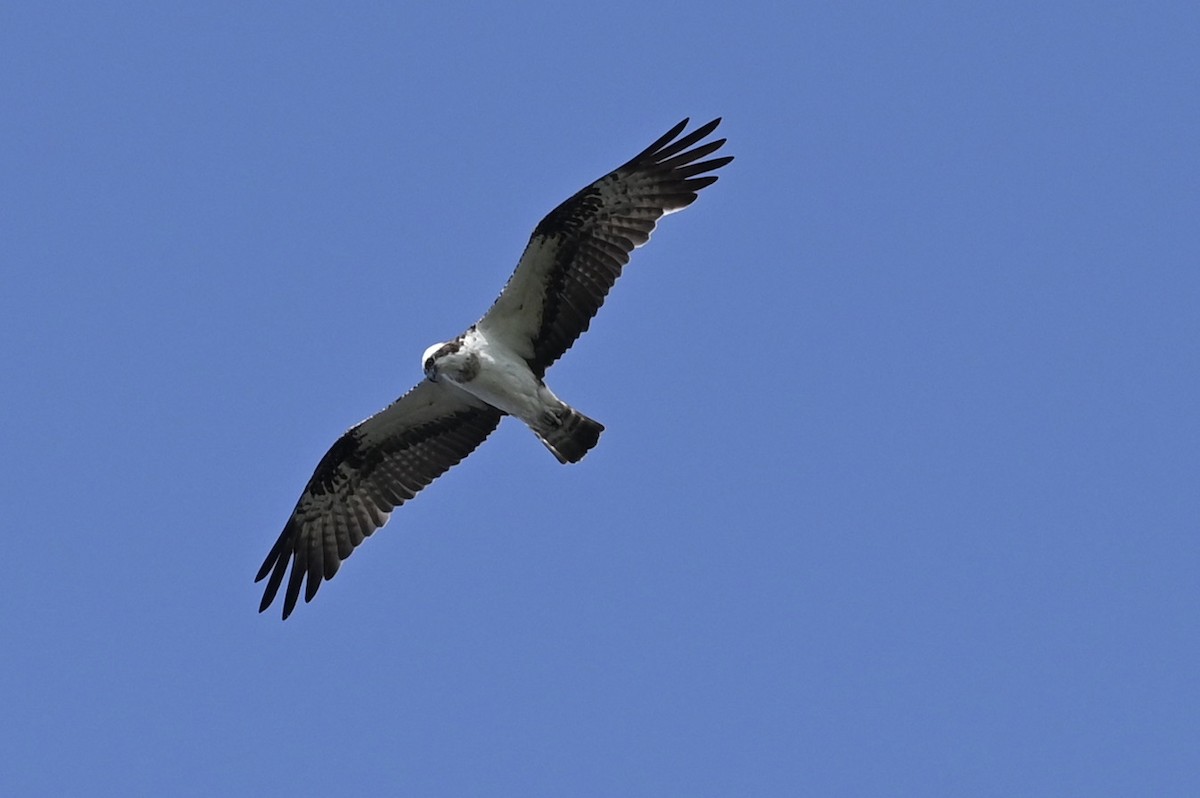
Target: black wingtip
pixel 709 126
pixel 664 139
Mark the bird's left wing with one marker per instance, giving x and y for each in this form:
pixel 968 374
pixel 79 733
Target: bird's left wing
pixel 577 252
pixel 373 468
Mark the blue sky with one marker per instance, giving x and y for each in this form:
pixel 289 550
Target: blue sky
pixel 898 493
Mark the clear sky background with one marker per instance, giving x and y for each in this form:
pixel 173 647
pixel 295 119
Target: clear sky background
pixel 899 493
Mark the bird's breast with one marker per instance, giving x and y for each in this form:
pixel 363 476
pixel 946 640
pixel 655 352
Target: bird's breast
pixel 461 367
pixel 505 382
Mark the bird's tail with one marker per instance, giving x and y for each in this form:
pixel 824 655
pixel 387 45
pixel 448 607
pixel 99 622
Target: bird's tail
pixel 569 435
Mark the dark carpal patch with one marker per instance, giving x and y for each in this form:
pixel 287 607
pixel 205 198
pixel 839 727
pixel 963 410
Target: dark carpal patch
pixel 346 454
pixel 349 455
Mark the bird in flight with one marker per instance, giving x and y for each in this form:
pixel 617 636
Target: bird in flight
pixel 495 368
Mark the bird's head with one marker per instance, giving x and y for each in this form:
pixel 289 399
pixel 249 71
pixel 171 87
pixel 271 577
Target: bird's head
pixel 434 354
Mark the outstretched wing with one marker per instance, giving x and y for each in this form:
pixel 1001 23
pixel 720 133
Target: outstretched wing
pixel 372 469
pixel 576 253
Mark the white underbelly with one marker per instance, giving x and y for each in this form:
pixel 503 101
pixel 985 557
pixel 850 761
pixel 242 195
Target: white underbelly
pixel 507 383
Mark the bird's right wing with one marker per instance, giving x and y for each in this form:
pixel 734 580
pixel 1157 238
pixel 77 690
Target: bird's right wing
pixel 374 467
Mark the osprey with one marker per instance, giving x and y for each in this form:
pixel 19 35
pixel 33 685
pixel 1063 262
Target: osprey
pixel 495 368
